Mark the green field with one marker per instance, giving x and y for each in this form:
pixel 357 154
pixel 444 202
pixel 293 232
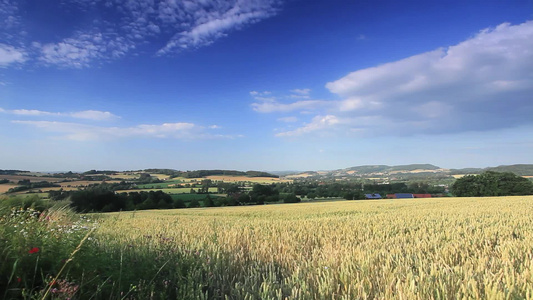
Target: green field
pixel 159 185
pixel 441 248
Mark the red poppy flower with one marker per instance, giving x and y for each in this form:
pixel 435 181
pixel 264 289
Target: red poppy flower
pixel 19 279
pixel 33 250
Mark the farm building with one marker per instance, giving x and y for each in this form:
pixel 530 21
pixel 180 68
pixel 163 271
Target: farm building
pixel 373 196
pixel 422 195
pixel 403 196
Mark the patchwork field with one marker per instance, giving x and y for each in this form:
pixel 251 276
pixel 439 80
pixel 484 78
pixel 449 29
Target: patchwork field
pixel 4 187
pixel 447 248
pixel 17 178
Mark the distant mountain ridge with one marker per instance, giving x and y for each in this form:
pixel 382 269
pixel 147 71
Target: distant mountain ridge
pixel 412 170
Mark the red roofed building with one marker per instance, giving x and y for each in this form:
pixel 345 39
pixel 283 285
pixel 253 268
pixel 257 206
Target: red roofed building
pixel 422 195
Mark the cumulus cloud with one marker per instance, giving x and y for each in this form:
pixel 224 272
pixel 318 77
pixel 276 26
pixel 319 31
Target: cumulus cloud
pixel 84 132
pixel 120 27
pixel 482 83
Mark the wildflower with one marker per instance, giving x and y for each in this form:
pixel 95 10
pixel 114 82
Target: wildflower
pixel 33 250
pixel 19 279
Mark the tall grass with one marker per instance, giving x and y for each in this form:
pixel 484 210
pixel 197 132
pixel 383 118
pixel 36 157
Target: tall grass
pixel 453 248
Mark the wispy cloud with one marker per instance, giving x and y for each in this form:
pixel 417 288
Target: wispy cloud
pixel 318 124
pixel 94 115
pixel 301 91
pixel 123 26
pixel 83 50
pixel 288 119
pixel 214 20
pixel 483 83
pixel 83 132
pixel 273 104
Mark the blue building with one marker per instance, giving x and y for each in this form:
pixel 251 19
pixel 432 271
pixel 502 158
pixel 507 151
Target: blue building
pixel 404 196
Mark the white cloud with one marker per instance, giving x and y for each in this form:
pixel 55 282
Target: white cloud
pixel 319 123
pixel 94 115
pixel 32 112
pixel 11 55
pixel 256 93
pixel 288 119
pixel 301 91
pixel 120 27
pixel 83 49
pixel 274 106
pixel 482 83
pixel 83 132
pixel 211 20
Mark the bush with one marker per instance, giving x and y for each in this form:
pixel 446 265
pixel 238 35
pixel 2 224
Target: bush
pixel 291 198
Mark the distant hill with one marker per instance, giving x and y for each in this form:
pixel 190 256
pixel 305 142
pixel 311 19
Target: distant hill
pixel 519 169
pixel 522 170
pixel 386 169
pixel 411 171
pixel 466 171
pixel 414 167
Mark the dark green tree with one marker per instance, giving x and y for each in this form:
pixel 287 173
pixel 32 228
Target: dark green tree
pixel 492 184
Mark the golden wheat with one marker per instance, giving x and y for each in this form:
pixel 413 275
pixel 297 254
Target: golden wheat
pixel 446 248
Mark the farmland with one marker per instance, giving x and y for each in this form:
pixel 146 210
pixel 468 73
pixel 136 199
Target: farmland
pixel 447 248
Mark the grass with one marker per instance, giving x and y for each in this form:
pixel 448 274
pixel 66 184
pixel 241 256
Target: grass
pixel 449 248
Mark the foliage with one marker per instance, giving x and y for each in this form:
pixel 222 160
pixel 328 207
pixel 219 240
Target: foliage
pixel 56 252
pixel 104 200
pixel 492 184
pixel 27 185
pixel 291 198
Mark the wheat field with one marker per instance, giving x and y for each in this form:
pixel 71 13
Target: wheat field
pixel 440 248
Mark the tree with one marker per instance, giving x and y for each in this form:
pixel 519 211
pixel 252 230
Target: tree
pixel 492 184
pixel 194 203
pixel 208 202
pixel 291 198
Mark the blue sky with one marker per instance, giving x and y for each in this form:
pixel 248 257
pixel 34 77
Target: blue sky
pixel 264 84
